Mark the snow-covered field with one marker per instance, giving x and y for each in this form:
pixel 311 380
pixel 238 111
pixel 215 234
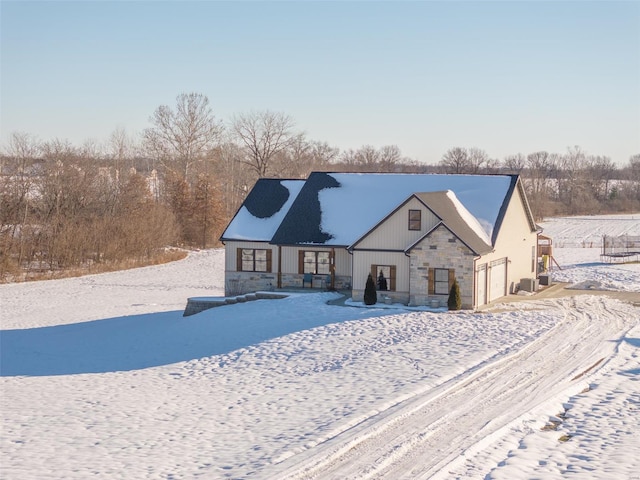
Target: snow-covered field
pixel 102 377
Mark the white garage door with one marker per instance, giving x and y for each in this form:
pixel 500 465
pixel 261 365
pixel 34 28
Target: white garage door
pixel 498 279
pixel 481 284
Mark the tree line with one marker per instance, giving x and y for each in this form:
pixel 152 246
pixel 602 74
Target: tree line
pixel 179 183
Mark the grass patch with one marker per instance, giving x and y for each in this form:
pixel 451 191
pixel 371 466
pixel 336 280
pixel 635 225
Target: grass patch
pixel 565 438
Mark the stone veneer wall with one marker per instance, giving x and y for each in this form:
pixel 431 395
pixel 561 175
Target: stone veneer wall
pixel 238 283
pixel 441 249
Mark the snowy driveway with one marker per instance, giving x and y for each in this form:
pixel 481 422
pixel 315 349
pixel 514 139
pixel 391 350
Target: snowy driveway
pixel 420 438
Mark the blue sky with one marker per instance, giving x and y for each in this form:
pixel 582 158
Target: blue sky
pixel 427 76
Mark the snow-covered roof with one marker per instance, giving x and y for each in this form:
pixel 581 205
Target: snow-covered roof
pixel 457 219
pixel 338 208
pixel 263 210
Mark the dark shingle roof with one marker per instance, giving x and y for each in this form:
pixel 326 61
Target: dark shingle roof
pixel 302 223
pixel 263 210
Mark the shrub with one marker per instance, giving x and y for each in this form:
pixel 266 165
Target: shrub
pixel 454 302
pixel 370 295
pixel 382 282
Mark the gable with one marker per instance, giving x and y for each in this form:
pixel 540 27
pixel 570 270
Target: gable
pixel 457 219
pixel 393 233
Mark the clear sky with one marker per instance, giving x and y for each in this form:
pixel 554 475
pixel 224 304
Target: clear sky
pixel 507 77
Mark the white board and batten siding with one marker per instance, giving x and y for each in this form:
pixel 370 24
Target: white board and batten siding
pixel 362 261
pixel 516 243
pixel 290 258
pixel 394 233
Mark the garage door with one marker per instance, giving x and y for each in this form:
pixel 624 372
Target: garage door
pixel 498 279
pixel 481 284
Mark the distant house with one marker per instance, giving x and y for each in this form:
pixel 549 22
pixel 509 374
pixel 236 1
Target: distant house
pixel 418 232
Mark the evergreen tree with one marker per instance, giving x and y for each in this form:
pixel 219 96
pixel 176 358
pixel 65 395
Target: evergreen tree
pixel 382 282
pixel 454 302
pixel 370 295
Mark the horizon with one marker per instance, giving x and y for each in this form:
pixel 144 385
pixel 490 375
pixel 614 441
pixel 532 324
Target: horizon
pixel 426 76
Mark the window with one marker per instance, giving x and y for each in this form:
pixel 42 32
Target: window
pixel 316 263
pixel 440 280
pixel 389 275
pixel 254 260
pixel 415 219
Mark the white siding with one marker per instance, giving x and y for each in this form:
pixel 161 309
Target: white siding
pixel 394 233
pixel 290 259
pixel 515 242
pixel 362 262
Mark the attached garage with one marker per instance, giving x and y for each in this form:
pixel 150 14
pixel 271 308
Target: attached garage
pixel 498 279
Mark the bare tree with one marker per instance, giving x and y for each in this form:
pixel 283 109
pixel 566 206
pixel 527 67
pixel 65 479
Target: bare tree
pixel 389 157
pixel 599 173
pixel 478 159
pixel 634 175
pixel 456 160
pixel 91 148
pixel 514 163
pixel 121 147
pixel 264 135
pixel 181 137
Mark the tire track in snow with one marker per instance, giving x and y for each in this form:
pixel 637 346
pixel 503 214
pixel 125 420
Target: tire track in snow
pixel 420 437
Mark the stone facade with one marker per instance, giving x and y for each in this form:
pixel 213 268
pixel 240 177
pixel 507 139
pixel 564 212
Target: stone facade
pixel 441 249
pixel 239 283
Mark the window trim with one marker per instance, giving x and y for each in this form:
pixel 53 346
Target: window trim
pixel 316 263
pixel 432 280
pixel 240 259
pixel 415 224
pixel 391 280
pixel 438 283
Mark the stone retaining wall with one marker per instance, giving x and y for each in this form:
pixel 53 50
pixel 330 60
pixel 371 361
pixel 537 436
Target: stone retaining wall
pixel 200 304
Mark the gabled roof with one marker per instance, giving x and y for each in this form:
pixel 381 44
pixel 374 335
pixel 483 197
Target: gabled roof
pixel 336 209
pixel 263 210
pixel 457 219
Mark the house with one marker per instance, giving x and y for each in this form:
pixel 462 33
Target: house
pixel 419 231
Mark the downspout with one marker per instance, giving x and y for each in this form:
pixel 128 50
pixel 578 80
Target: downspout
pixel 474 286
pixel 279 266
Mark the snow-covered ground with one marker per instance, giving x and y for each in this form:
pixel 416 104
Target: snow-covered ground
pixel 577 247
pixel 102 377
